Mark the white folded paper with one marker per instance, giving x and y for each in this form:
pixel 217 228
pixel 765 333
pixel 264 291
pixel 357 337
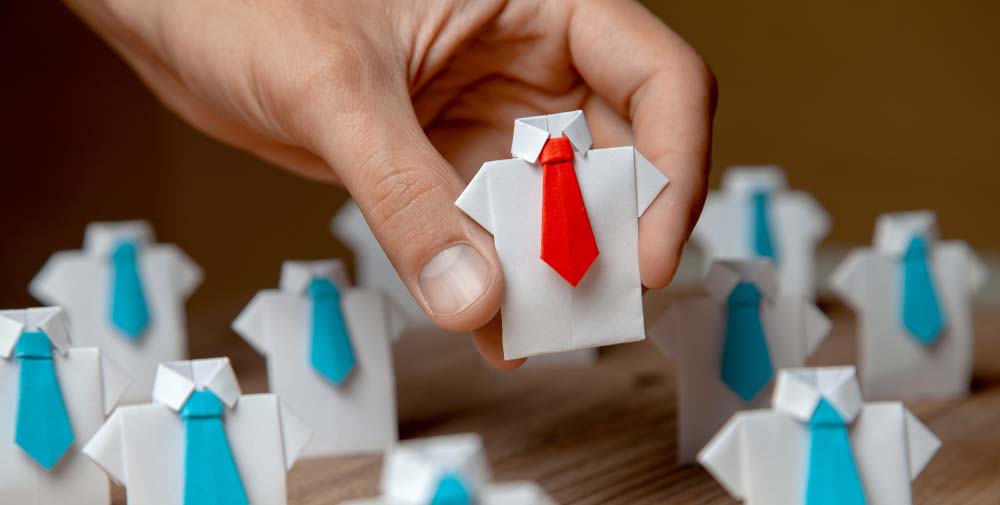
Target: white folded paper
pixel 541 311
pixel 357 416
pixel 80 282
pixel 797 222
pixel 693 331
pixel 142 446
pixel 412 472
pixel 762 456
pixel 892 364
pixel 90 384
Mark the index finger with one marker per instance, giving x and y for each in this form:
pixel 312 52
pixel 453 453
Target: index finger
pixel 650 75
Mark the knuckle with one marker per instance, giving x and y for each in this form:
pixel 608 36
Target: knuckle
pixel 399 195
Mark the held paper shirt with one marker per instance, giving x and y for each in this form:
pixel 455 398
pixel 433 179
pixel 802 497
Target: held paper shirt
pixel 693 331
pixel 91 386
pixel 357 416
pixel 893 365
pixel 80 282
pixel 761 456
pixel 142 446
pixel 541 312
pixel 797 224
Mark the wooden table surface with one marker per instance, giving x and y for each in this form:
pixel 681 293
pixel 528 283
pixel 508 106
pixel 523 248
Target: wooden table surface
pixel 606 434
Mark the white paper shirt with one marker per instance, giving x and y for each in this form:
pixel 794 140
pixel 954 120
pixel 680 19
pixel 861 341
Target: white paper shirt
pixel 893 365
pixel 359 415
pixel 798 223
pixel 91 386
pixel 411 473
pixel 693 331
pixel 761 456
pixel 80 282
pixel 142 446
pixel 541 312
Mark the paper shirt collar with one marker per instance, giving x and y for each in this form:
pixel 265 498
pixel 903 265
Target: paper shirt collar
pixel 754 178
pixel 51 320
pixel 412 470
pixel 798 391
pixel 531 133
pixel 894 231
pixel 724 275
pixel 100 238
pixel 176 380
pixel 295 275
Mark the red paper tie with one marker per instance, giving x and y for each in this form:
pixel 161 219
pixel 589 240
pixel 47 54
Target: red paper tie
pixel 568 244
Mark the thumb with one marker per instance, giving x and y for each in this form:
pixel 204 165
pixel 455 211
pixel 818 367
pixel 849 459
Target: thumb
pixel 406 190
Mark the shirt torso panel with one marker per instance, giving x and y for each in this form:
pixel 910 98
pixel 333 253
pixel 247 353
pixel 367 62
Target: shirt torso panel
pixel 605 307
pixel 360 414
pixel 891 360
pixel 88 307
pixel 705 402
pixel 75 479
pixel 153 441
pixel 775 456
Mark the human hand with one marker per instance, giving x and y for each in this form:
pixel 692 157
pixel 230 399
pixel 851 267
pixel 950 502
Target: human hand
pixel 401 101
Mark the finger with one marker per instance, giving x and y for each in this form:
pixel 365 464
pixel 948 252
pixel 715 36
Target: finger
pixel 489 342
pixel 648 74
pixel 367 131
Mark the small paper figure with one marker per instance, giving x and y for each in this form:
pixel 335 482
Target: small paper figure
pixel 448 470
pixel 564 218
pixel 729 343
pixel 912 294
pixel 754 215
pixel 125 294
pixel 375 271
pixel 820 445
pixel 53 398
pixel 329 355
pixel 200 442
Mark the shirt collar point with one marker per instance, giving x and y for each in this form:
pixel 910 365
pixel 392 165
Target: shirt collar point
pixel 724 275
pixel 176 380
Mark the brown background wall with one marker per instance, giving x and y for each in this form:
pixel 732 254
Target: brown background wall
pixel 872 106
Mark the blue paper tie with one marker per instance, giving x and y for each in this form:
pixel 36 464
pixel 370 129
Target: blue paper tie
pixel 210 474
pixel 43 427
pixel 331 353
pixel 921 310
pixel 129 311
pixel 763 239
pixel 451 490
pixel 833 475
pixel 746 361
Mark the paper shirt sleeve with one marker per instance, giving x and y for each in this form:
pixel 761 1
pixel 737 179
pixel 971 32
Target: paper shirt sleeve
pixel 723 459
pixel 709 225
pixel 815 327
pixel 395 319
pixel 106 448
pixel 921 442
pixel 114 382
pixel 664 332
pixel 816 218
pixel 475 200
pixel 186 273
pixel 848 280
pixel 250 323
pixel 294 434
pixel 53 283
pixel 978 273
pixel 649 182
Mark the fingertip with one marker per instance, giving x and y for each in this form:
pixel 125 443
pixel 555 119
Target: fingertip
pixel 489 341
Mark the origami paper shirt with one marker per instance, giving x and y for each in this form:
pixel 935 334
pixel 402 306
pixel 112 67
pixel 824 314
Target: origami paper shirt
pixel 762 456
pixel 797 223
pixel 81 281
pixel 541 311
pixel 693 331
pixel 359 415
pixel 419 471
pixel 91 386
pixel 893 364
pixel 142 446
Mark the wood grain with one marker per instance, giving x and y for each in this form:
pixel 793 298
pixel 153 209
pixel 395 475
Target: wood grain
pixel 606 435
